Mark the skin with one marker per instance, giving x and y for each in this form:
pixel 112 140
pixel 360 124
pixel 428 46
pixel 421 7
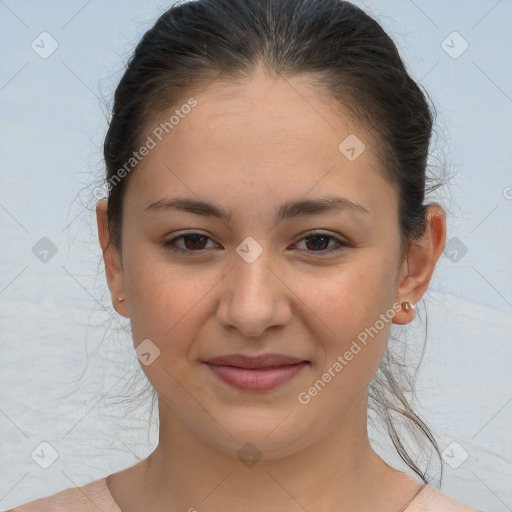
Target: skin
pixel 250 147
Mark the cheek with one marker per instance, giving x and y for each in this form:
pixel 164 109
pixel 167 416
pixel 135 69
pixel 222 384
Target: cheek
pixel 350 361
pixel 164 308
pixel 350 298
pixel 350 304
pixel 148 291
pixel 168 303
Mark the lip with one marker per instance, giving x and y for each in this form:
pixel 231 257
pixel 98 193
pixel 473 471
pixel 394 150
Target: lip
pixel 259 373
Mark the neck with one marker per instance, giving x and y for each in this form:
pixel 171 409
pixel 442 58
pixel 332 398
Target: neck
pixel 338 472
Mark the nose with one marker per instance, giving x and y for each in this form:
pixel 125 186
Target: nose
pixel 254 298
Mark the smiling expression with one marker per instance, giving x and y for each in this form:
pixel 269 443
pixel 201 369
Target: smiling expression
pixel 246 231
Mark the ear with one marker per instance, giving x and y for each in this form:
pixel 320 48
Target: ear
pixel 420 262
pixel 112 259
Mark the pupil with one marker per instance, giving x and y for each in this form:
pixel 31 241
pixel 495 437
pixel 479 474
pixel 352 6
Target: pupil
pixel 195 241
pixel 316 237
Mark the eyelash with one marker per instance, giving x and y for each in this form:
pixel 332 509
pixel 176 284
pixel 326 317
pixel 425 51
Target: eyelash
pixel 169 244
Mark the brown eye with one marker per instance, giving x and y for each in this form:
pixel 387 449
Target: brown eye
pixel 192 242
pixel 197 242
pixel 321 243
pixel 318 242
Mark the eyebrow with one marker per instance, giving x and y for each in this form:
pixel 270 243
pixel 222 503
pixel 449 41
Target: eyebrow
pixel 287 210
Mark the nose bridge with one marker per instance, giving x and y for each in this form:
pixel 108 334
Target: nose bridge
pixel 253 298
pixel 254 279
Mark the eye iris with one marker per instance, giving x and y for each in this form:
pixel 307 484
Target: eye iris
pixel 198 242
pixel 195 241
pixel 321 245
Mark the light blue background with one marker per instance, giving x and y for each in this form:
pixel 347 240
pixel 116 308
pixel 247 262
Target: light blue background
pixel 65 357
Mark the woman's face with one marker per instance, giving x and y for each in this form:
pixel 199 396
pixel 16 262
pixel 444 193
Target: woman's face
pixel 299 281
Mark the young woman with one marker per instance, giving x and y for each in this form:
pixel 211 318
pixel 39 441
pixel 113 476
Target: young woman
pixel 265 226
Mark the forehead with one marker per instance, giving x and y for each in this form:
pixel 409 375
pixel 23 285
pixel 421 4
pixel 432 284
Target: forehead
pixel 271 134
pixel 272 112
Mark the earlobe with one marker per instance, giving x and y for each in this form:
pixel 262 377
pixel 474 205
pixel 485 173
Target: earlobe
pixel 112 260
pixel 421 261
pixel 405 314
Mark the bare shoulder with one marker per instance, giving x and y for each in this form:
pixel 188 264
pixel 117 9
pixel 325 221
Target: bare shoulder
pixel 432 500
pixel 91 497
pixel 55 502
pixel 47 504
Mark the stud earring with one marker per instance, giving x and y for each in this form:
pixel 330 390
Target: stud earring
pixel 407 306
pixel 120 299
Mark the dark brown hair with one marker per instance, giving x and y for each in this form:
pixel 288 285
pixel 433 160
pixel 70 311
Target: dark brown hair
pixel 345 51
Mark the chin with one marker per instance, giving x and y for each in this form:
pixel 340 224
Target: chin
pixel 270 434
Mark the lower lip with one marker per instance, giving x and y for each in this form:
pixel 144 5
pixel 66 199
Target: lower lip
pixel 261 379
